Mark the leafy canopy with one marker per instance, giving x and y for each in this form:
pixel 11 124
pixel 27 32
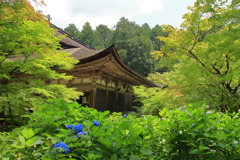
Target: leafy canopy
pixel 29 58
pixel 72 30
pixel 134 45
pixel 203 55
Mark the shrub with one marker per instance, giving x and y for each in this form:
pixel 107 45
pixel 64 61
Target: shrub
pixel 59 130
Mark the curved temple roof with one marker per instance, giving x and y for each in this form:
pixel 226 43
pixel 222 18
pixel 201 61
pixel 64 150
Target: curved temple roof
pixel 87 54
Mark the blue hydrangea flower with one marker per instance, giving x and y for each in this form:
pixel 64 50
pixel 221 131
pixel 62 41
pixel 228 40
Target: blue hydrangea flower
pixel 125 116
pixel 63 146
pixel 82 133
pixel 70 126
pixel 96 123
pixel 78 128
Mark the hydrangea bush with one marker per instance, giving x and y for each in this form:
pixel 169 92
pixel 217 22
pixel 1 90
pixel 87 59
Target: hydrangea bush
pixel 59 130
pixel 61 147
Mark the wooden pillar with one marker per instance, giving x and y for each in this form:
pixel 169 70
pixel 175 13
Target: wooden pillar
pixel 125 87
pixel 93 98
pixel 107 96
pixel 128 100
pixel 124 103
pixel 116 98
pixel 94 90
pixel 116 95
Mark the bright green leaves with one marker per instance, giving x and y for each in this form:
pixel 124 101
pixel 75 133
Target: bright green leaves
pixel 29 139
pixel 204 55
pixel 33 141
pixel 22 140
pixel 190 132
pixel 28 133
pixel 201 131
pixel 26 139
pixel 155 99
pixel 29 57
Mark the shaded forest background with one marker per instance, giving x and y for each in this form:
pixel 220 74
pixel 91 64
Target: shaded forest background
pixel 133 42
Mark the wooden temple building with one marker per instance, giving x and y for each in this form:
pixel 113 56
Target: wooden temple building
pixel 102 76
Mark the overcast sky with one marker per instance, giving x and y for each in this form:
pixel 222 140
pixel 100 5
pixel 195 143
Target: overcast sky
pixel 108 12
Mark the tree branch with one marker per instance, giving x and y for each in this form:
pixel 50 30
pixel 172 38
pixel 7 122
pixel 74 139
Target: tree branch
pixel 3 60
pixel 13 70
pixel 18 74
pixel 227 64
pixel 229 88
pixel 236 88
pixel 24 61
pixel 196 58
pixel 217 70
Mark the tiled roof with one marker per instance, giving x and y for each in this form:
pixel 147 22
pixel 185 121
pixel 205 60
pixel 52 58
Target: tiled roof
pixel 82 52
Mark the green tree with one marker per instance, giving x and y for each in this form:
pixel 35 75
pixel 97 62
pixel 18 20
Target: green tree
pixel 204 54
pixel 29 58
pixel 155 32
pixel 138 57
pixel 144 30
pixel 88 34
pixel 124 30
pixel 103 36
pixel 72 30
pixel 157 44
pixel 134 46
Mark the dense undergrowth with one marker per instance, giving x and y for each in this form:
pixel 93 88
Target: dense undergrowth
pixel 59 130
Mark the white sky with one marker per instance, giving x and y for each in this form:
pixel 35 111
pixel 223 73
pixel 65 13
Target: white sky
pixel 108 12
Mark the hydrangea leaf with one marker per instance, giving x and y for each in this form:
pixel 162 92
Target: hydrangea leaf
pixel 28 133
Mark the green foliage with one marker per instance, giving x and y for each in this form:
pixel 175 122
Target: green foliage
pixel 155 32
pixel 29 58
pixel 103 36
pixel 191 132
pixel 139 60
pixel 194 132
pixel 133 42
pixel 124 30
pixel 73 31
pixel 155 99
pixel 87 35
pixel 204 54
pixel 134 45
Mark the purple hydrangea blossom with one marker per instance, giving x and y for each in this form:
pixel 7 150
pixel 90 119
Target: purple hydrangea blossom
pixel 78 128
pixel 70 126
pixel 82 133
pixel 96 123
pixel 125 116
pixel 63 146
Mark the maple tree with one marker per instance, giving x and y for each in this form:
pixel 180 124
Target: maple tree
pixel 203 55
pixel 29 57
